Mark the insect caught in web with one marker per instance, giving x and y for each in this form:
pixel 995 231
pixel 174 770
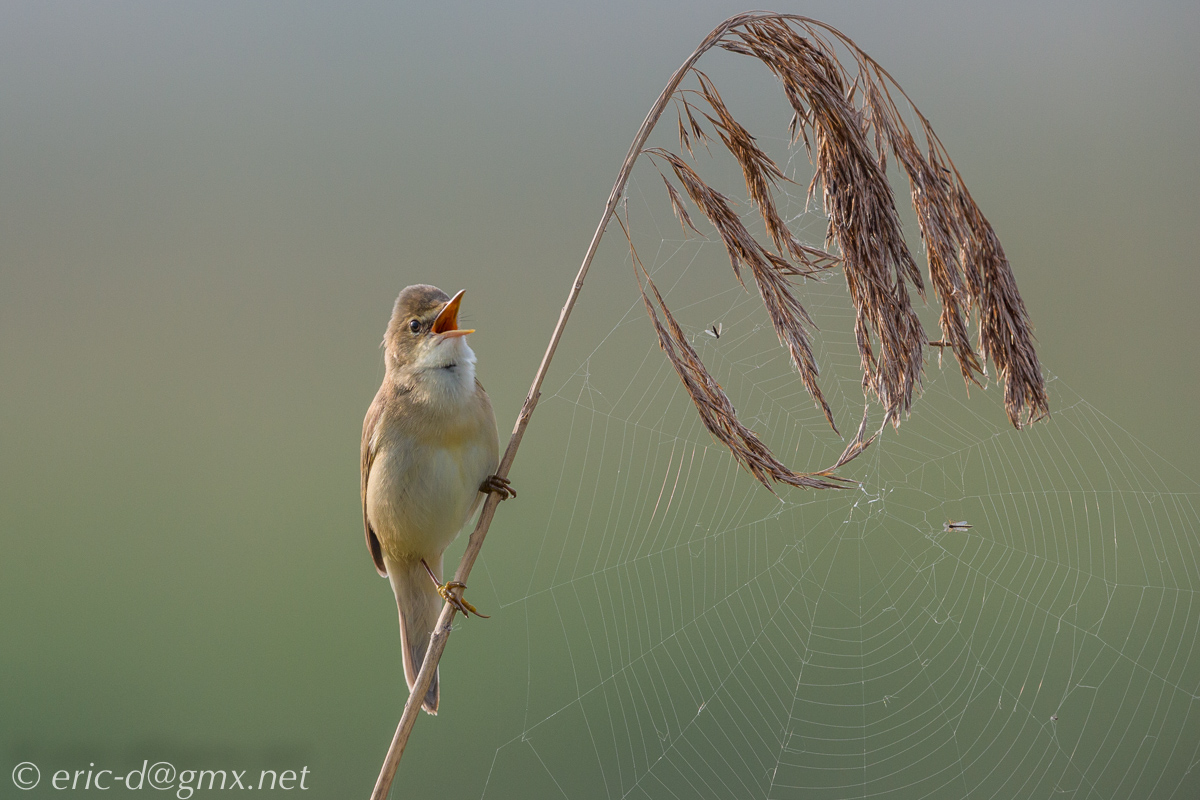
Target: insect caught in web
pixel 714 330
pixel 951 525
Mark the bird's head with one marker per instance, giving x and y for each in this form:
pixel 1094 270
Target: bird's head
pixel 423 334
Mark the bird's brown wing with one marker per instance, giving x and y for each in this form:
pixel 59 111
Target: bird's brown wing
pixel 370 423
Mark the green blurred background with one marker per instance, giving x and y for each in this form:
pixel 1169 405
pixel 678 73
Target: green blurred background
pixel 207 209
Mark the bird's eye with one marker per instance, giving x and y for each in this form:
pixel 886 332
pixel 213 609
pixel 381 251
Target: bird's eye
pixel 414 326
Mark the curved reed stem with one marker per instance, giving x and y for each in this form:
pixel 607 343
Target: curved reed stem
pixel 437 642
pixel 967 265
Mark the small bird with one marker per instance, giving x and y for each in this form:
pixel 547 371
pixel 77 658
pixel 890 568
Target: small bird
pixel 429 456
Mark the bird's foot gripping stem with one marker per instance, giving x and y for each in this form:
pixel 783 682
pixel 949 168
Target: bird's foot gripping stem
pixel 446 590
pixel 501 486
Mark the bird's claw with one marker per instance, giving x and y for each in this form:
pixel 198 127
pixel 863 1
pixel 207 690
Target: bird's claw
pixel 501 486
pixel 457 600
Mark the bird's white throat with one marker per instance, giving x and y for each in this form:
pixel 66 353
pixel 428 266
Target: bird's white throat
pixel 446 372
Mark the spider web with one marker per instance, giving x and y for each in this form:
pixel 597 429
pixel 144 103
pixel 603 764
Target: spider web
pixel 691 634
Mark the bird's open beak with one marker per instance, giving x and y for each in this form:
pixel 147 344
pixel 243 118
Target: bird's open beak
pixel 447 319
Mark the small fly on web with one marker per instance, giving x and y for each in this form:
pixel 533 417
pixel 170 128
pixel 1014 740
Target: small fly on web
pixel 951 525
pixel 714 331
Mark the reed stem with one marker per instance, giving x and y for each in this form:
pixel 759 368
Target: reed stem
pixel 441 632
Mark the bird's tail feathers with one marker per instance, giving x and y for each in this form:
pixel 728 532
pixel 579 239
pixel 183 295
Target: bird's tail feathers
pixel 419 605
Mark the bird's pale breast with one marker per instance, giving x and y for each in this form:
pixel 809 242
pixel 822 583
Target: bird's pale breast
pixel 424 486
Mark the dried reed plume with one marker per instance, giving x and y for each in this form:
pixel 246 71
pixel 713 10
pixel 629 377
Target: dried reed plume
pixel 853 122
pixel 848 122
pixel 717 412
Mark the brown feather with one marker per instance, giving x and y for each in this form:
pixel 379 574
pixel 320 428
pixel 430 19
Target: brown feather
pixel 370 423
